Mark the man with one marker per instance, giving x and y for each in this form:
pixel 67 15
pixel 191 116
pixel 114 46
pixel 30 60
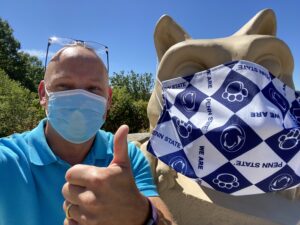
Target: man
pixel 42 169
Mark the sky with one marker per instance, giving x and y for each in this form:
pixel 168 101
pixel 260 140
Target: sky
pixel 127 27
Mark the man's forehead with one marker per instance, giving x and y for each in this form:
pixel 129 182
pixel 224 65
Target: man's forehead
pixel 77 51
pixel 76 59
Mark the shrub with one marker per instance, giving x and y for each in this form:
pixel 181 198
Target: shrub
pixel 19 108
pixel 125 110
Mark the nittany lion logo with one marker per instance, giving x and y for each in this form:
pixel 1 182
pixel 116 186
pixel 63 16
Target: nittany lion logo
pixel 233 138
pixel 278 99
pixel 282 181
pixel 188 100
pixel 179 164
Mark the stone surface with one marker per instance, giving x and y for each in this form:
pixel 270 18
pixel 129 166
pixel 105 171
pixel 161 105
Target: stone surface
pixel 179 54
pixel 138 137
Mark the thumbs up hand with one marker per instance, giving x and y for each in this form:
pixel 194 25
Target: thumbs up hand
pixel 105 195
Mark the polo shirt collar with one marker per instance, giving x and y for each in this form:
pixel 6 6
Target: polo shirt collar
pixel 40 153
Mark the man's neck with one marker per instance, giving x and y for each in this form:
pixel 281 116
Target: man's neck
pixel 69 152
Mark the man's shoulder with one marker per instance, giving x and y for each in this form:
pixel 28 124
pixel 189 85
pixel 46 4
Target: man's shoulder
pixel 14 145
pixel 106 135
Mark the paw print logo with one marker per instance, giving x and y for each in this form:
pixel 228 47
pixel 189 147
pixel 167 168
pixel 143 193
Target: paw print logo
pixel 289 140
pixel 184 129
pixel 282 181
pixel 226 180
pixel 235 91
pixel 179 164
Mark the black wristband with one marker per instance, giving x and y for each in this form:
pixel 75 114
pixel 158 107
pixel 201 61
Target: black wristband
pixel 153 217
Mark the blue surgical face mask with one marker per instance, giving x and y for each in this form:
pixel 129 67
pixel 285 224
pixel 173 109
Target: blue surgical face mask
pixel 234 128
pixel 76 115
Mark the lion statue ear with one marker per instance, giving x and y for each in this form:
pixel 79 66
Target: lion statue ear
pixel 263 23
pixel 167 33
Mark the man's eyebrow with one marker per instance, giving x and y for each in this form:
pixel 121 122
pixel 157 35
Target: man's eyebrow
pixel 58 79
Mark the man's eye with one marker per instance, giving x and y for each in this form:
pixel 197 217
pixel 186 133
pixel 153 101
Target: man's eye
pixel 94 90
pixel 62 87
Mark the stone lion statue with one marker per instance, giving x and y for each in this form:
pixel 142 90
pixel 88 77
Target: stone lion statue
pixel 179 54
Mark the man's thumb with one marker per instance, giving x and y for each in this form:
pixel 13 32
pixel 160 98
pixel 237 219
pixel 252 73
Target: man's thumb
pixel 121 147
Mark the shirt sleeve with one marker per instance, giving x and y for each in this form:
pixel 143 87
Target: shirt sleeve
pixel 142 172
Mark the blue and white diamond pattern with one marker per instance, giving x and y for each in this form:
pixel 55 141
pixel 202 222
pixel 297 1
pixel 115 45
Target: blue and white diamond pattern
pixel 276 97
pixel 198 151
pixel 210 115
pixel 188 101
pixel 256 168
pixel 262 116
pixel 256 73
pixel 236 91
pixel 211 129
pixel 229 182
pixel 234 138
pixel 286 143
pixel 210 81
pixel 283 179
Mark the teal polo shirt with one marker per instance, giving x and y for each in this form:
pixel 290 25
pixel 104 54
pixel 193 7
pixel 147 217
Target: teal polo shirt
pixel 32 176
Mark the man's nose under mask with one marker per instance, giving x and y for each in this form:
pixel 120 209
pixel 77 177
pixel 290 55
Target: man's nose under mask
pixel 233 128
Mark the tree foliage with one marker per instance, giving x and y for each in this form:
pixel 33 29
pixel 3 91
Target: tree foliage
pixel 19 66
pixel 138 85
pixel 131 93
pixel 19 108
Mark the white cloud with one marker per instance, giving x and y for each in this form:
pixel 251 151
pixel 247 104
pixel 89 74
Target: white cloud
pixel 41 54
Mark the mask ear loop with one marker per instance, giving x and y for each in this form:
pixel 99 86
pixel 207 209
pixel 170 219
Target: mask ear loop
pixel 47 93
pixel 161 86
pixel 156 95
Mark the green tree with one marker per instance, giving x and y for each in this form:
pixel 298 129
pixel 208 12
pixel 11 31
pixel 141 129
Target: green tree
pixel 19 66
pixel 131 93
pixel 138 85
pixel 121 110
pixel 125 110
pixel 19 108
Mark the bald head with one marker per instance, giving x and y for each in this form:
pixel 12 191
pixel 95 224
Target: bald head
pixel 77 57
pixel 77 67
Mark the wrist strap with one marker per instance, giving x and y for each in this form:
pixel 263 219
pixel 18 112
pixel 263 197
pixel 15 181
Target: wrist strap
pixel 153 217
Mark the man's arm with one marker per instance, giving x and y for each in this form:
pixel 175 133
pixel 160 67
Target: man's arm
pixel 108 195
pixel 164 215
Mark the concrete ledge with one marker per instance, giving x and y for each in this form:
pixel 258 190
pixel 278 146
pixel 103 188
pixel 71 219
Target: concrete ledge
pixel 139 137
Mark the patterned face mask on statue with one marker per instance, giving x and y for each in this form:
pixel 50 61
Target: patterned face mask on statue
pixel 233 128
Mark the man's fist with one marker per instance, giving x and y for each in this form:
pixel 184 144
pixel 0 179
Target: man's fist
pixel 105 195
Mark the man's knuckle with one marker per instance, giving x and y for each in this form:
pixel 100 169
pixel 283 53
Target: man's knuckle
pixel 64 189
pixel 64 205
pixel 89 200
pixel 83 219
pixel 66 222
pixel 93 221
pixel 95 179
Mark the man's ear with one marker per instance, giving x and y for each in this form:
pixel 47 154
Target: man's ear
pixel 42 94
pixel 109 101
